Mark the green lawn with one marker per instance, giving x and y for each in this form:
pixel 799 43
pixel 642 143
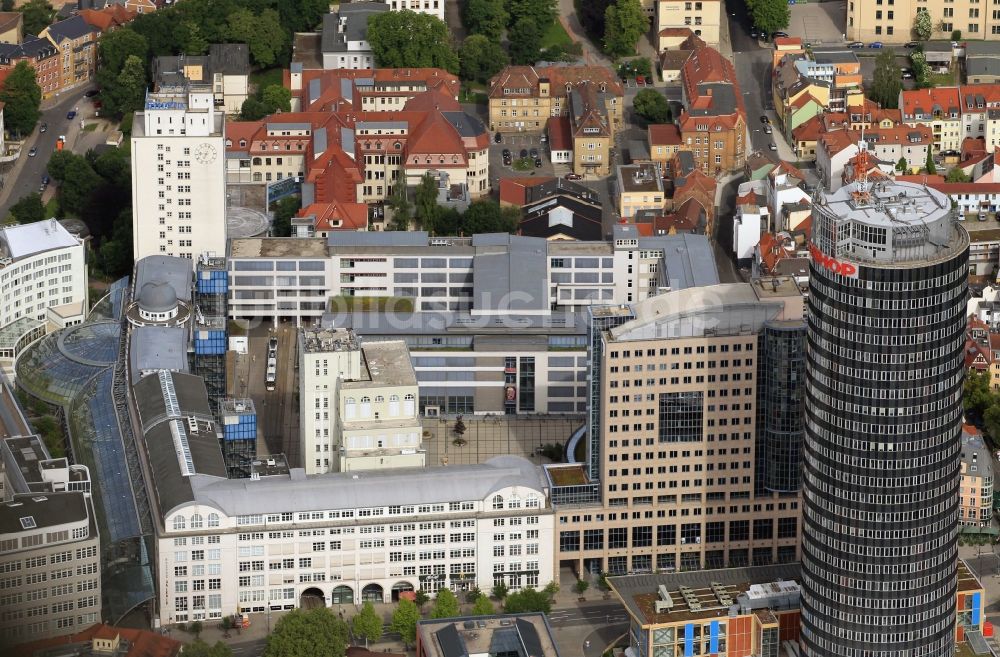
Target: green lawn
pixel 51 207
pixel 943 79
pixel 265 78
pixel 556 36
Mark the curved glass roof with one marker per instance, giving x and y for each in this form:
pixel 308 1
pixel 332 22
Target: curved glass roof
pixel 56 367
pixel 110 306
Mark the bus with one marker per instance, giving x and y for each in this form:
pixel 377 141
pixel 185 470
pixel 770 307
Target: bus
pixel 272 375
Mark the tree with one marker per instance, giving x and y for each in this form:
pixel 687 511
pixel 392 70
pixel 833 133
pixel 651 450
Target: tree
pixel 581 586
pixel 367 624
pixel 284 210
pixel 199 648
pixel 902 165
pixel 931 169
pixel 525 41
pixel 7 5
pixel 651 105
pixel 886 82
pixel 38 15
pixel 425 200
pixel 991 421
pixel 421 598
pixel 445 605
pixel 922 27
pixel 481 58
pixel 485 17
pixel 483 606
pixel 976 394
pixel 551 589
pixel 624 24
pixel 77 181
pixel 28 209
pixel 195 628
pixel 21 97
pixel 313 633
pixel 486 216
pixel 277 98
pixel 128 92
pixel 591 15
pixel 459 428
pixel 543 12
pixel 402 211
pixel 262 32
pixel 956 175
pixel 500 591
pixel 115 47
pixel 527 600
pixel 401 39
pixel 302 15
pixel 921 71
pixel 770 15
pixel 956 35
pixel 404 621
pixel 253 109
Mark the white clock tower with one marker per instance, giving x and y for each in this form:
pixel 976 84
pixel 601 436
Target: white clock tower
pixel 179 175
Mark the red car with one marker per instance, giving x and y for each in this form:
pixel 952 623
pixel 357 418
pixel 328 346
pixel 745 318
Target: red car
pixel 573 176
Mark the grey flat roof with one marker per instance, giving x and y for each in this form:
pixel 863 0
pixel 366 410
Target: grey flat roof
pixel 523 635
pixel 46 510
pixel 178 272
pixel 388 364
pixel 371 488
pixel 689 260
pixel 723 100
pixel 834 56
pixel 633 589
pixel 511 278
pixel 377 238
pixel 158 348
pixel 465 124
pixel 433 322
pixel 983 65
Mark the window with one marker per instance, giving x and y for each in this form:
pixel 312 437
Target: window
pixel 179 523
pixel 213 520
pixel 196 521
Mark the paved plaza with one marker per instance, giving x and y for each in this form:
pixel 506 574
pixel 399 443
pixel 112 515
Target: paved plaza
pixel 495 435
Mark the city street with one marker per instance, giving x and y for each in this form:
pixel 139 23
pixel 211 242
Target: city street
pixel 26 173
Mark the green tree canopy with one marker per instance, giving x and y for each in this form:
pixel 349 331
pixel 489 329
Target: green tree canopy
pixel 277 97
pixel 625 22
pixel 922 27
pixel 956 175
pixel 128 93
pixel 117 46
pixel 931 169
pixel 284 210
pixel 401 39
pixel 402 210
pixel 485 17
pixel 38 15
pixel 21 96
pixel 404 621
pixel 199 648
pixel 445 605
pixel 313 633
pixel 886 81
pixel 651 105
pixel 486 216
pixel 525 42
pixel 543 12
pixel 367 624
pixel 77 181
pixel 481 58
pixel 302 15
pixel 527 600
pixel 6 5
pixel 977 395
pixel 262 32
pixel 28 209
pixel 483 606
pixel 769 15
pixel 426 205
pixel 592 14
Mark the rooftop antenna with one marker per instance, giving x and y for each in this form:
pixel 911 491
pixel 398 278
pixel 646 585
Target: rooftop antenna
pixel 862 194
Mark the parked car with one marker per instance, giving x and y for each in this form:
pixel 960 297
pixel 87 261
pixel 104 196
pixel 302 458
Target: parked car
pixel 45 180
pixel 90 93
pixel 43 127
pixel 906 74
pixel 875 45
pixel 544 139
pixel 538 163
pixel 772 146
pixel 775 35
pixel 911 44
pixel 767 129
pixel 764 119
pixel 573 176
pixel 533 152
pixel 71 115
pixel 33 152
pixel 524 152
pixel 754 33
pixel 856 45
pixel 497 138
pixel 506 152
pixel 955 44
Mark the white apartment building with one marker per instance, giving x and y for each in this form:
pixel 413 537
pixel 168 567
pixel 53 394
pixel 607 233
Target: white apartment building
pixel 358 403
pixel 178 174
pixel 43 283
pixel 344 38
pixel 432 7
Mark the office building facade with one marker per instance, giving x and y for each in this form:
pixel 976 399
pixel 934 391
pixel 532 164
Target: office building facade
pixel 886 330
pixel 179 175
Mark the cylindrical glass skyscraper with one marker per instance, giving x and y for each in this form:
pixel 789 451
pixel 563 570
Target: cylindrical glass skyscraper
pixel 884 373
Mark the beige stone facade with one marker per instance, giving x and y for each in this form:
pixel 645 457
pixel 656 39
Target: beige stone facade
pixel 871 20
pixel 704 18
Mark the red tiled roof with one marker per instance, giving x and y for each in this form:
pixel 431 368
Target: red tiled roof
pixel 973 351
pixel 337 216
pixel 923 179
pixel 560 134
pixel 943 99
pixel 513 190
pixel 664 134
pixel 962 188
pixel 141 643
pixel 676 32
pixel 237 131
pixel 436 135
pixel 976 323
pixel 435 98
pixel 772 250
pixel 787 41
pixel 810 130
pixel 111 16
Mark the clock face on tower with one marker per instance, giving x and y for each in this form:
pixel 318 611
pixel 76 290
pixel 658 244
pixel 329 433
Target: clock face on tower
pixel 205 153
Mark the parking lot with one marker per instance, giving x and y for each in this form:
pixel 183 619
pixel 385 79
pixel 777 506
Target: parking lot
pixel 818 22
pixel 517 143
